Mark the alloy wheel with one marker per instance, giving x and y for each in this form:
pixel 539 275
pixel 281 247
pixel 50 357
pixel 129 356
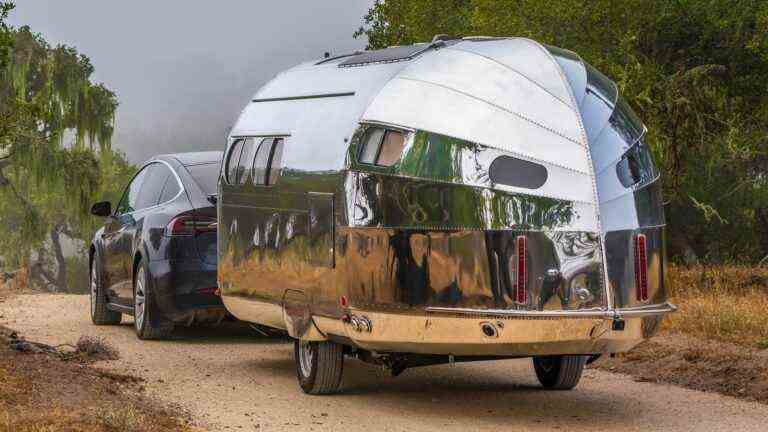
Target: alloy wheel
pixel 94 289
pixel 305 358
pixel 139 300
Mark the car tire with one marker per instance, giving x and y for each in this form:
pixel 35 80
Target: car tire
pixel 100 314
pixel 559 372
pixel 147 325
pixel 319 366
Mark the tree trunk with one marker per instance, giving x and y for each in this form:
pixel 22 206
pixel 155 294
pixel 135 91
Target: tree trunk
pixel 55 281
pixel 61 262
pixel 761 228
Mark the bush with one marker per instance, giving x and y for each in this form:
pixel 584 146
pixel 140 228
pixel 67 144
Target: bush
pixel 96 348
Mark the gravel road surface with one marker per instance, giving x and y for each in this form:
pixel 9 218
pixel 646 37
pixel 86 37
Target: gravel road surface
pixel 231 379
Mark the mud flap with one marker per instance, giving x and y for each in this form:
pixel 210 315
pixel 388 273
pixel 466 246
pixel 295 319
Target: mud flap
pixel 298 318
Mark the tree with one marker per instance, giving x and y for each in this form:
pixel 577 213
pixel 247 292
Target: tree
pixel 695 70
pixel 6 41
pixel 55 150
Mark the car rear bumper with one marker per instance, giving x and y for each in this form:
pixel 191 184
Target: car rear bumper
pixel 185 291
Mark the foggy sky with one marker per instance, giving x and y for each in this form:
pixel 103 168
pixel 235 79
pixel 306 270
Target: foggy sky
pixel 183 70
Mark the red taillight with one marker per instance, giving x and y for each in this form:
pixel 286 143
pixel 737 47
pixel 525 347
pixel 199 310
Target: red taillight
pixel 641 268
pixel 521 288
pixel 209 291
pixel 190 225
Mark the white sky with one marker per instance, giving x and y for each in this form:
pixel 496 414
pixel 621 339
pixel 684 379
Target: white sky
pixel 183 70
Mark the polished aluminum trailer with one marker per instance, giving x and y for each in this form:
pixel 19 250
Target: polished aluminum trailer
pixel 466 199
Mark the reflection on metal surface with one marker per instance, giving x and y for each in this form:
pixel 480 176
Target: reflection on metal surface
pixel 407 269
pixel 382 200
pixel 429 251
pixel 439 158
pixel 436 333
pixel 608 314
pixel 621 266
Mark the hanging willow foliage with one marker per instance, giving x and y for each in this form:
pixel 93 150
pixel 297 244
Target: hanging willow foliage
pixel 56 127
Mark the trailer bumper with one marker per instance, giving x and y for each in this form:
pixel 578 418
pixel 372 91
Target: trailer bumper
pixel 469 332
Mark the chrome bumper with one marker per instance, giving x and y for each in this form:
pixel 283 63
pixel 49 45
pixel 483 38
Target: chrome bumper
pixel 517 333
pixel 612 314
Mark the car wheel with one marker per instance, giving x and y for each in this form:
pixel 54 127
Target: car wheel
pixel 147 325
pixel 559 372
pixel 100 314
pixel 319 366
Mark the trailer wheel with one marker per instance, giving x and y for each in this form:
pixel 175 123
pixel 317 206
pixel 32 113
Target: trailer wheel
pixel 319 366
pixel 559 372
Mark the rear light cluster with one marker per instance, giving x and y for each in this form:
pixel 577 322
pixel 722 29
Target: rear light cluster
pixel 210 291
pixel 521 286
pixel 190 226
pixel 641 268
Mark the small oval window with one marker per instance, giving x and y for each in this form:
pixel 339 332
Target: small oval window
pixel 515 172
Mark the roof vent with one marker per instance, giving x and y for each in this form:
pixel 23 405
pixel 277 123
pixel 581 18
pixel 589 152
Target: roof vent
pixel 386 55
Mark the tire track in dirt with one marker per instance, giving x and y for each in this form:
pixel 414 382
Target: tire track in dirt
pixel 231 379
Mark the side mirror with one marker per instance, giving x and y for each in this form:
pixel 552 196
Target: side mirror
pixel 102 208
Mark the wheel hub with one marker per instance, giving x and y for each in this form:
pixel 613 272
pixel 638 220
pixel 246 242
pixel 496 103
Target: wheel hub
pixel 305 358
pixel 94 290
pixel 139 303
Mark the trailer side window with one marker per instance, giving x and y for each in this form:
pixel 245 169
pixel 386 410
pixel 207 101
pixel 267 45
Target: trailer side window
pixel 636 166
pixel 233 159
pixel 268 161
pixel 275 161
pixel 382 147
pixel 261 161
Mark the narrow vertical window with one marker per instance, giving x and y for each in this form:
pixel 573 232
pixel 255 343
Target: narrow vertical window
pixel 233 159
pixel 261 161
pixel 276 161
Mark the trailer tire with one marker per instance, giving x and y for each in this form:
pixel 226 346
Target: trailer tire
pixel 319 366
pixel 559 372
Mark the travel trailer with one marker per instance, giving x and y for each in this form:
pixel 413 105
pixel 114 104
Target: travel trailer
pixel 465 199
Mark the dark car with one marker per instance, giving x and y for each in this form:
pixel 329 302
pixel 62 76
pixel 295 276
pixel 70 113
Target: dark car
pixel 155 257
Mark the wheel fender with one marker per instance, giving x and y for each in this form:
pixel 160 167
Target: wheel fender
pixel 298 317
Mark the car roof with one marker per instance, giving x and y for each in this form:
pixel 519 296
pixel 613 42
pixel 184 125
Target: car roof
pixel 193 158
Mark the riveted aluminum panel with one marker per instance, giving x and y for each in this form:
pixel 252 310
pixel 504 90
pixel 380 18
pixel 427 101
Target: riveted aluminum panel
pixel 433 108
pixel 458 70
pixel 527 58
pixel 574 71
pixel 308 79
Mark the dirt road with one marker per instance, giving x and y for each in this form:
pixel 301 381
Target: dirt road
pixel 230 379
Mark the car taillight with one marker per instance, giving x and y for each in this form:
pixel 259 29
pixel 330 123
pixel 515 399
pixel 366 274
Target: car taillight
pixel 521 288
pixel 641 268
pixel 209 291
pixel 190 225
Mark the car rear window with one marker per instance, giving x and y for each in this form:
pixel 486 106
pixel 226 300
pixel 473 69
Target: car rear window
pixel 206 176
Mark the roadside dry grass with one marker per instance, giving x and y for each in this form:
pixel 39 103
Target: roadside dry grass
pixel 717 341
pixel 40 392
pixel 726 303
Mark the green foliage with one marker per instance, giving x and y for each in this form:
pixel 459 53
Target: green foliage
pixel 695 71
pixel 56 159
pixel 6 40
